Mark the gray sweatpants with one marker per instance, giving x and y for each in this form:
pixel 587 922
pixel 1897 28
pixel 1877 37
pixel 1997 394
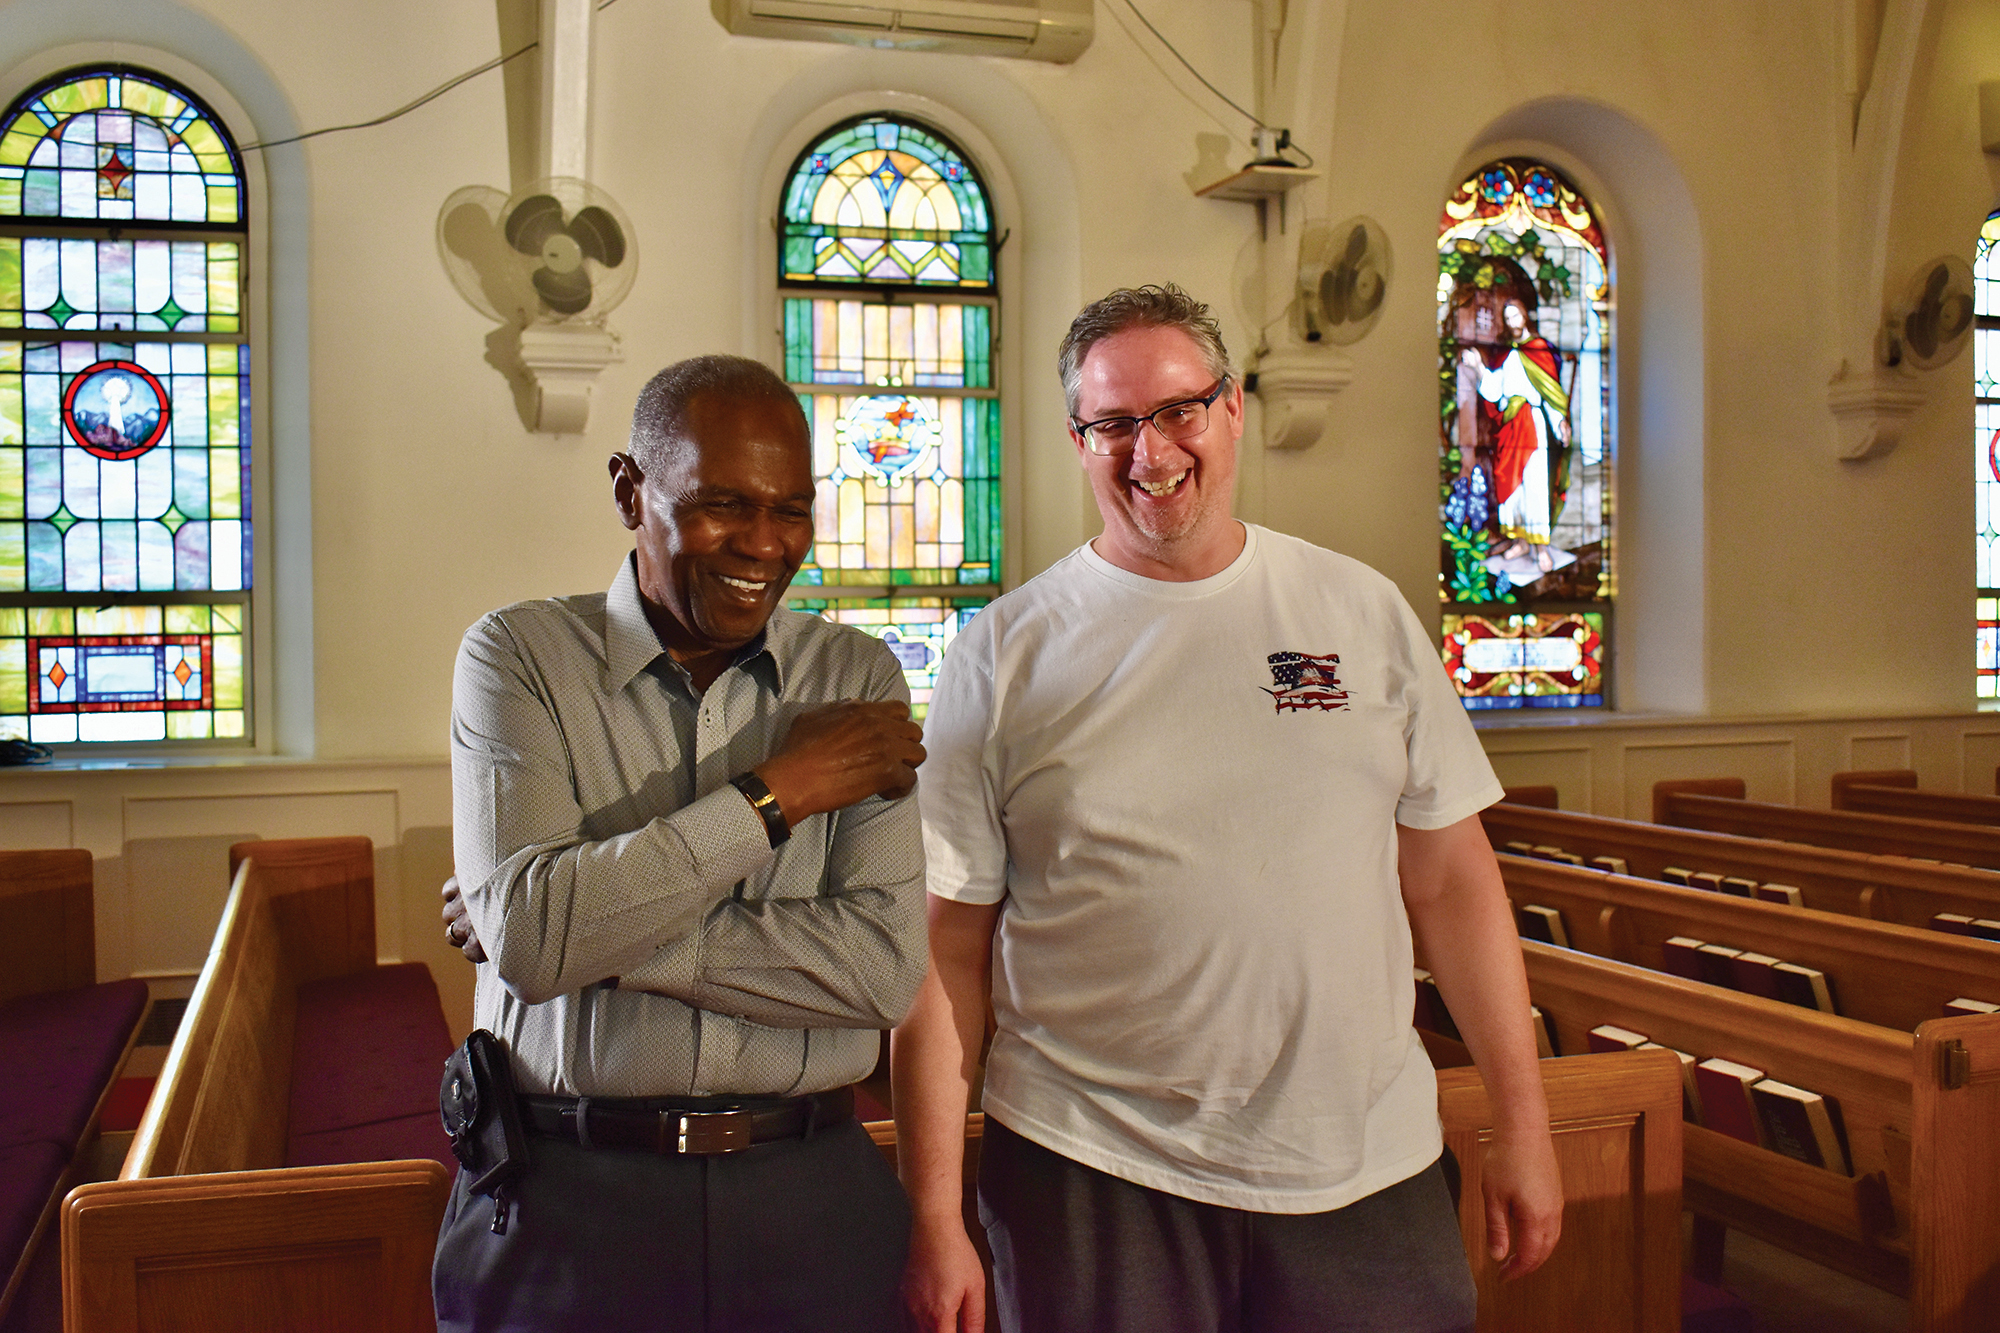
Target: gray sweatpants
pixel 1079 1251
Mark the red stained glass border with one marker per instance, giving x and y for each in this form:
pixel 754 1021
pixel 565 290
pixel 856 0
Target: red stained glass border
pixel 206 642
pixel 124 368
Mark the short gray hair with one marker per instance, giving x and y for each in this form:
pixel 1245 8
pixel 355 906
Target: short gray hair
pixel 659 420
pixel 1164 306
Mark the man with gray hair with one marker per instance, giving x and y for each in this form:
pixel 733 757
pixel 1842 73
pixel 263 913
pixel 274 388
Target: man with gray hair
pixel 1190 792
pixel 683 825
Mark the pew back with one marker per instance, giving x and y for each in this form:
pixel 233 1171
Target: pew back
pixel 1890 975
pixel 1879 835
pixel 1895 792
pixel 1885 888
pixel 301 911
pixel 48 928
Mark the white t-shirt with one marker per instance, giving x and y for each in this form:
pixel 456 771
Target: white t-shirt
pixel 1187 795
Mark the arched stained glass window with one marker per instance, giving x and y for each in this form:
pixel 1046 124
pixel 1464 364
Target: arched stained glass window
pixel 1524 419
pixel 1986 452
pixel 886 284
pixel 125 539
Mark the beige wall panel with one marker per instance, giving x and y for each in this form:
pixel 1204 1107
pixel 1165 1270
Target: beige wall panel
pixel 1878 751
pixel 1567 770
pixel 1767 766
pixel 177 863
pixel 1982 756
pixel 426 857
pixel 31 825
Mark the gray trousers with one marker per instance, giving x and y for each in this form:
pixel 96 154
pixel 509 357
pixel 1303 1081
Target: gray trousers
pixel 1078 1251
pixel 798 1236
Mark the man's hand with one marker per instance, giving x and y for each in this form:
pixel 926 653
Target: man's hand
pixel 944 1286
pixel 458 926
pixel 1524 1201
pixel 836 756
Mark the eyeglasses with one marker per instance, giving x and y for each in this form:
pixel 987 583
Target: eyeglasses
pixel 1111 436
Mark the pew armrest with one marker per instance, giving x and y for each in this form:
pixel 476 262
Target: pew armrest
pixel 309 1247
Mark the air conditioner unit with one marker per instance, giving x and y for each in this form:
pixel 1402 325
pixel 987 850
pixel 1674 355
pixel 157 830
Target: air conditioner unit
pixel 1057 30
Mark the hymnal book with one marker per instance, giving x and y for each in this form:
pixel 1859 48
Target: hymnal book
pixel 1705 879
pixel 1804 986
pixel 1614 864
pixel 1982 929
pixel 1675 875
pixel 1957 923
pixel 1682 957
pixel 1568 858
pixel 1544 924
pixel 1548 853
pixel 1753 975
pixel 1726 1107
pixel 1608 1038
pixel 1718 964
pixel 1964 1008
pixel 1737 886
pixel 1431 1014
pixel 1802 1124
pixel 1521 848
pixel 1545 1034
pixel 1780 893
pixel 1690 1090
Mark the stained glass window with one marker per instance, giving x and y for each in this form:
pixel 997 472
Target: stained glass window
pixel 1526 451
pixel 125 484
pixel 1986 453
pixel 885 287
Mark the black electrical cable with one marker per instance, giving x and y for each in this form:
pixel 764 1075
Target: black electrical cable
pixel 1175 52
pixel 430 96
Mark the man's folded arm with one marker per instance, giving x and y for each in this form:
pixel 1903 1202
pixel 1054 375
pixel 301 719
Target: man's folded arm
pixel 555 911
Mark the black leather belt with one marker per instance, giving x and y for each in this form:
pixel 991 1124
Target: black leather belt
pixel 691 1125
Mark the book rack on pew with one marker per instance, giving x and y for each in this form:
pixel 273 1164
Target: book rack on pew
pixel 1919 1216
pixel 1883 888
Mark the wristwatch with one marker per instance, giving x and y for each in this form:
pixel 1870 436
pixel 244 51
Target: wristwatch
pixel 766 806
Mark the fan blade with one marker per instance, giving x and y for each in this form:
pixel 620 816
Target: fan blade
pixel 564 293
pixel 599 235
pixel 1333 285
pixel 530 225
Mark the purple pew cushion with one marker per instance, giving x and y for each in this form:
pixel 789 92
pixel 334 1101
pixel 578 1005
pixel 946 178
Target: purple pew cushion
pixel 28 1175
pixel 1706 1309
pixel 369 1047
pixel 384 1141
pixel 60 1050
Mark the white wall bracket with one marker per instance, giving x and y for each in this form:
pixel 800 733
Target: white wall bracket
pixel 1871 406
pixel 553 369
pixel 1297 387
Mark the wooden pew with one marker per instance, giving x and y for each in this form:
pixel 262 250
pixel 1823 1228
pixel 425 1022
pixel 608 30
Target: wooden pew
pixel 1678 803
pixel 1890 975
pixel 1920 1216
pixel 1617 1122
pixel 1895 792
pixel 206 1228
pixel 72 1033
pixel 1885 888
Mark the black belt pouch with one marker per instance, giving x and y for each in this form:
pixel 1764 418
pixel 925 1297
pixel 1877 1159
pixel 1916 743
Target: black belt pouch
pixel 483 1118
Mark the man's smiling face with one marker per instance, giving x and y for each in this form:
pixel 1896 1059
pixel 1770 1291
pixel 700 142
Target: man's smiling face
pixel 1166 504
pixel 724 526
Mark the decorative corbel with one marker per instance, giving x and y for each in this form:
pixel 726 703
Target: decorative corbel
pixel 553 368
pixel 1296 387
pixel 1871 407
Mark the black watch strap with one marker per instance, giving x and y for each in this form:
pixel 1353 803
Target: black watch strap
pixel 766 806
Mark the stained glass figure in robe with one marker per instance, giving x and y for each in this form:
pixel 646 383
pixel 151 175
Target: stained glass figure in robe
pixel 125 440
pixel 899 387
pixel 1525 482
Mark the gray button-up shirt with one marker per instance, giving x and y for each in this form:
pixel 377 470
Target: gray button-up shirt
pixel 645 939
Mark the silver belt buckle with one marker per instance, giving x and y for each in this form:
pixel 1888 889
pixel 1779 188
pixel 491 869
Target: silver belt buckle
pixel 703 1132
